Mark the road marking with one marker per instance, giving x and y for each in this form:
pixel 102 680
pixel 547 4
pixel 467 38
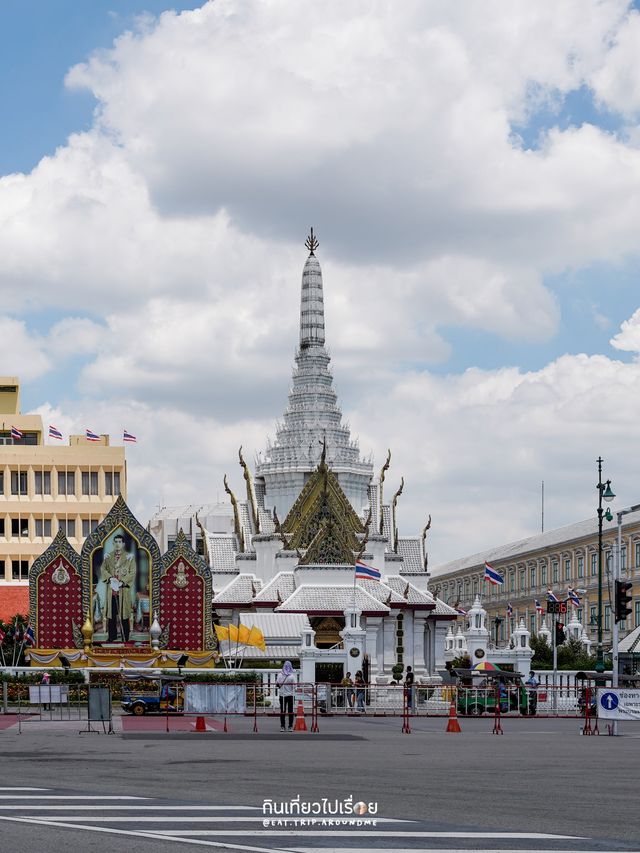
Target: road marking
pixel 360 833
pixel 63 797
pixel 25 789
pixel 227 845
pixel 162 818
pixel 99 808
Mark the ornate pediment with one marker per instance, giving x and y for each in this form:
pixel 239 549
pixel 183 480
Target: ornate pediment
pixel 322 520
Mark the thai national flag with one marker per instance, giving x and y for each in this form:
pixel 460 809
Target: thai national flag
pixel 29 636
pixel 91 436
pixel 367 573
pixel 16 434
pixel 551 596
pixel 129 437
pixel 492 576
pixel 54 432
pixel 509 610
pixel 461 611
pixel 539 607
pixel 574 598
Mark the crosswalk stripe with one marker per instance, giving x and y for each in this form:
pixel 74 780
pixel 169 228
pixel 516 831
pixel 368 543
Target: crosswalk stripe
pixel 12 788
pixel 64 797
pixel 227 845
pixel 390 833
pixel 100 808
pixel 167 818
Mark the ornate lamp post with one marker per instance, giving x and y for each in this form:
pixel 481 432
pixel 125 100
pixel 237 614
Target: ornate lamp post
pixel 604 494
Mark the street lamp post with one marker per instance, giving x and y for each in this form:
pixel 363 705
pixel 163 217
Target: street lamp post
pixel 604 493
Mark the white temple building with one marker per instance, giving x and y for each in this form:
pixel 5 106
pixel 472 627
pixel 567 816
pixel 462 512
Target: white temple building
pixel 312 508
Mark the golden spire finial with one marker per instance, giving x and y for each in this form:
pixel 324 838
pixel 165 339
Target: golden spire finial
pixel 311 243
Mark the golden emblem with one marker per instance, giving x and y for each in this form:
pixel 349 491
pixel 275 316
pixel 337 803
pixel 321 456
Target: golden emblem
pixel 180 580
pixel 60 575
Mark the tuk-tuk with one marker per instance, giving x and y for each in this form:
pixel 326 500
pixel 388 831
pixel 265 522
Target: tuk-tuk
pixel 479 689
pixel 165 694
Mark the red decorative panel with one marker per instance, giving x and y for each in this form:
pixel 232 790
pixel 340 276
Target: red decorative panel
pixel 182 604
pixel 59 592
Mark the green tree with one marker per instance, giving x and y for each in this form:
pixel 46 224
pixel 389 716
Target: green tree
pixel 542 653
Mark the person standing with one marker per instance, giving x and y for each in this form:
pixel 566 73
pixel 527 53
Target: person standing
pixel 408 686
pixel 347 693
pixel 46 682
pixel 360 685
pixel 286 682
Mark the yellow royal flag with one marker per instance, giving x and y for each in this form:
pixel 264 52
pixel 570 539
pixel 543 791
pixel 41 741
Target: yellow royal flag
pixel 222 633
pixel 233 633
pixel 256 638
pixel 243 634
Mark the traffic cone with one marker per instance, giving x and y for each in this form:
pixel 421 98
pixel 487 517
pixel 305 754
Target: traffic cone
pixel 453 725
pixel 200 725
pixel 300 725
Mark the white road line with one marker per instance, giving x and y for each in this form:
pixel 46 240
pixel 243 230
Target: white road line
pixel 136 834
pixel 439 850
pixel 20 807
pixel 25 789
pixel 372 833
pixel 63 797
pixel 163 818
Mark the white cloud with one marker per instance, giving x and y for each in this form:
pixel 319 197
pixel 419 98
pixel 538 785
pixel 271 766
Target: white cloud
pixel 628 338
pixel 20 353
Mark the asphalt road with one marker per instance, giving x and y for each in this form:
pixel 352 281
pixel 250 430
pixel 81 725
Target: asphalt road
pixel 541 776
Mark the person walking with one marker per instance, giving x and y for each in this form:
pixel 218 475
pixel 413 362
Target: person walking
pixel 360 685
pixel 286 682
pixel 408 686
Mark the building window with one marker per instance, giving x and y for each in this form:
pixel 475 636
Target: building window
pixel 512 581
pixel 19 526
pixel 637 552
pixel 66 483
pixel 43 482
pixel 594 565
pixel 27 438
pixel 532 578
pixel 532 624
pixel 89 482
pixel 2 483
pixel 567 569
pixel 88 526
pixel 1 569
pixel 543 579
pixel 1 526
pixel 43 527
pixel 112 483
pixel 400 638
pixel 522 580
pixel 580 567
pixel 475 587
pixel 18 482
pixel 68 527
pixel 593 619
pixel 623 558
pixel 554 571
pixel 607 617
pixel 20 570
pixel 579 614
pixel 636 607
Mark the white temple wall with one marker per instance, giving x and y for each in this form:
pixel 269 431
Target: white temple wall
pixel 266 550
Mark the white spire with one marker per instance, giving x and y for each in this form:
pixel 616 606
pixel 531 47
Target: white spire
pixel 313 415
pixel 312 300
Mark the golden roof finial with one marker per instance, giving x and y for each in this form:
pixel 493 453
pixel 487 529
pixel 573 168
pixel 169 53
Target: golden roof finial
pixel 311 243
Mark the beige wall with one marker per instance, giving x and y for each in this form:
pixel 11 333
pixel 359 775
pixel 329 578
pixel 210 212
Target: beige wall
pixel 26 466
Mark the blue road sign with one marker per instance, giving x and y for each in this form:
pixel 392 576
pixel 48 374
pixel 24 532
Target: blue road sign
pixel 609 701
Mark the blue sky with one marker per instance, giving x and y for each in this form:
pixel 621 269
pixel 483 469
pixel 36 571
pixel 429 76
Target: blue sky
pixel 39 41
